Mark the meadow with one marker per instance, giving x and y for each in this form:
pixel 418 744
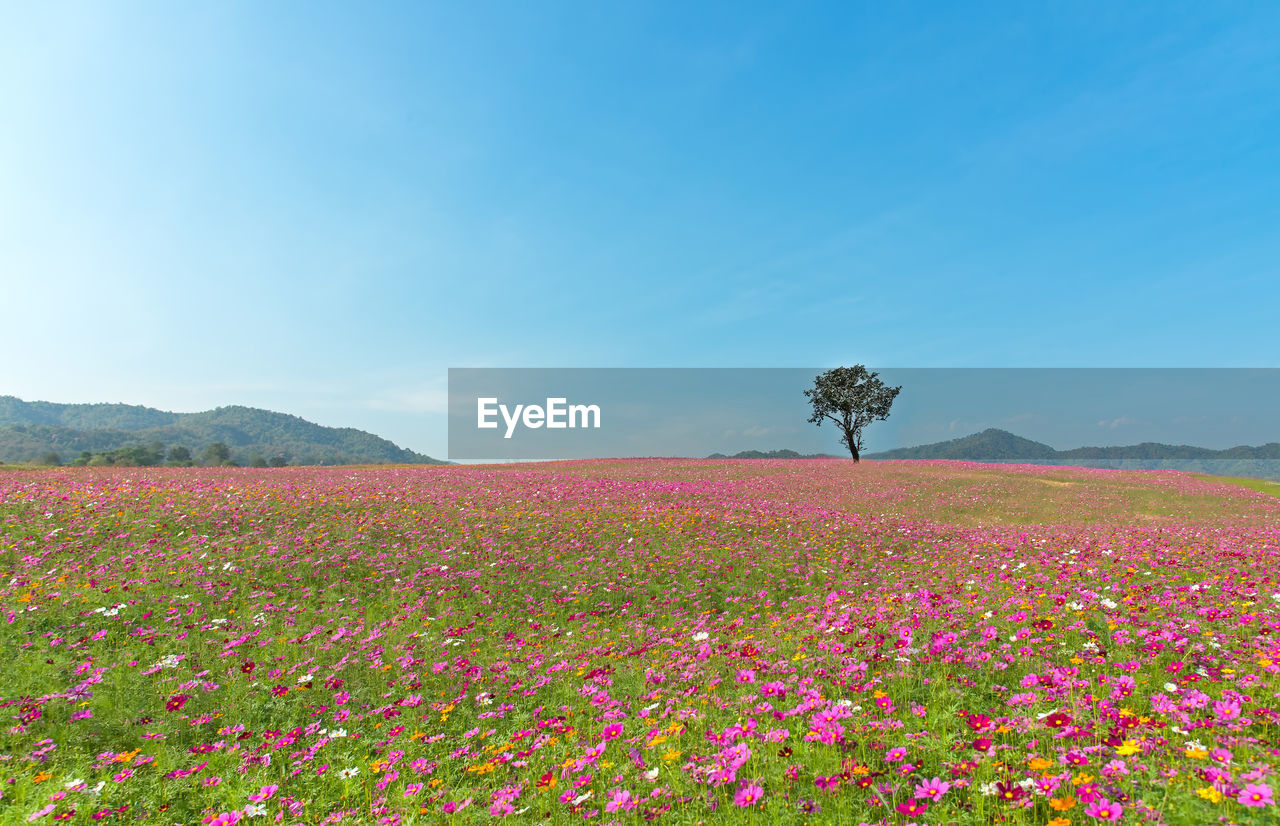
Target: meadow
pixel 667 641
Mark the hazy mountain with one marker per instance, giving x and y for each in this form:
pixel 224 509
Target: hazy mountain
pixel 29 430
pixel 1001 446
pixel 770 454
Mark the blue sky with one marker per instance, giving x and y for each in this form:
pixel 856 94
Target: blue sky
pixel 320 207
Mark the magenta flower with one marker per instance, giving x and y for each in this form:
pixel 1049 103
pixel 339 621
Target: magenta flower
pixel 1256 794
pixel 1104 809
pixel 932 789
pixel 913 807
pixel 748 795
pixel 264 794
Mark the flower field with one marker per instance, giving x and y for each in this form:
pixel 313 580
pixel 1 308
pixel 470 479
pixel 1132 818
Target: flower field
pixel 663 641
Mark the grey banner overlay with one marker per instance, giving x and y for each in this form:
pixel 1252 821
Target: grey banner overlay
pixel 696 412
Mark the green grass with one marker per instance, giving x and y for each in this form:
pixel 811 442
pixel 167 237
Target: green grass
pixel 1260 485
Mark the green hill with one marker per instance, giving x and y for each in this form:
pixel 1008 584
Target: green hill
pixel 31 430
pixel 1001 446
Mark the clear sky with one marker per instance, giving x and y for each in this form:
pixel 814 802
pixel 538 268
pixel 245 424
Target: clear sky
pixel 320 207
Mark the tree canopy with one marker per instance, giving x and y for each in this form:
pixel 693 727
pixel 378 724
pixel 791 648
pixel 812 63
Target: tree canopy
pixel 852 398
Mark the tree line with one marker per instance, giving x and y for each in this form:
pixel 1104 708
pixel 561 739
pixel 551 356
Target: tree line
pixel 156 454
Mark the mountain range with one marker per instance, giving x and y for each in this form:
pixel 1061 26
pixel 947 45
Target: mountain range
pixel 994 445
pixel 771 454
pixel 32 430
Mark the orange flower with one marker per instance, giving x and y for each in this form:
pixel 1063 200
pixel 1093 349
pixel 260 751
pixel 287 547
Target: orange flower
pixel 42 776
pixel 1059 821
pixel 1061 804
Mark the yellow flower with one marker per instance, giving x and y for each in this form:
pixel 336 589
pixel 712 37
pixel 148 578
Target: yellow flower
pixel 1197 754
pixel 1210 794
pixel 1127 748
pixel 1081 778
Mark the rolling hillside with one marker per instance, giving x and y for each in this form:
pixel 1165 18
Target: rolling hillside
pixel 30 430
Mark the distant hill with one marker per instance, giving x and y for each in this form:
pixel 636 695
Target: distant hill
pixel 30 430
pixel 771 454
pixel 1001 446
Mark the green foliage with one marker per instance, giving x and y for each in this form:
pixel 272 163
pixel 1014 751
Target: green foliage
pixel 851 398
pixel 216 454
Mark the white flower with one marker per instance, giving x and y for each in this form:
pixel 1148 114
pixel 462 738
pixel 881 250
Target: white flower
pixel 1170 687
pixel 1106 603
pixel 1195 744
pixel 338 733
pixel 651 774
pixel 987 789
pixel 254 810
pixel 305 678
pixel 577 801
pixel 347 774
pixel 700 636
pixel 71 784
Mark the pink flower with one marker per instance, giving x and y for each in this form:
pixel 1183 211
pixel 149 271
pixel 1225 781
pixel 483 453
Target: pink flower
pixel 620 800
pixel 265 794
pixel 913 807
pixel 748 795
pixel 932 789
pixel 1256 794
pixel 612 731
pixel 1104 809
pixel 412 789
pixel 222 819
pixel 895 755
pixel 746 675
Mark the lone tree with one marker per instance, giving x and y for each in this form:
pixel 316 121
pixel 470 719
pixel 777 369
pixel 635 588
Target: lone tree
pixel 852 398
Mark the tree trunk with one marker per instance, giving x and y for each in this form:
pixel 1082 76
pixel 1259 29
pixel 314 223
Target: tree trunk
pixel 853 448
